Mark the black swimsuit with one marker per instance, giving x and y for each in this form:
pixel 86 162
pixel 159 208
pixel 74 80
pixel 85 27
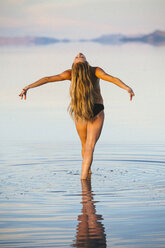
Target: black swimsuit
pixel 97 108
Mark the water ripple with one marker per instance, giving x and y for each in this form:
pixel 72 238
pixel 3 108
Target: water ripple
pixel 43 202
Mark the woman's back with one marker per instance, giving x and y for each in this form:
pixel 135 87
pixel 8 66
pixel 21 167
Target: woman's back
pixel 84 91
pixel 96 84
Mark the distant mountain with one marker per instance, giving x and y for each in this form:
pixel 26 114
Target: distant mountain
pixel 29 41
pixel 109 39
pixel 156 38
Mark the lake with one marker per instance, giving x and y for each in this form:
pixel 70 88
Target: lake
pixel 43 202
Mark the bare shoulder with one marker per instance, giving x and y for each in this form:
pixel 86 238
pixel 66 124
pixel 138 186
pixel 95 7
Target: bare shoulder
pixel 99 71
pixel 94 70
pixel 66 75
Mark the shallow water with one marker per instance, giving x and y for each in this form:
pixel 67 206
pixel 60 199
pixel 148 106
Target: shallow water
pixel 43 202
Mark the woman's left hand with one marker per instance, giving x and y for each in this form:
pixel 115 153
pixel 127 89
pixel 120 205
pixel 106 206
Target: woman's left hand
pixel 130 91
pixel 23 94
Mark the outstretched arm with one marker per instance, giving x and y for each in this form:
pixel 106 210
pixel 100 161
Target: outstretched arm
pixel 100 73
pixel 66 75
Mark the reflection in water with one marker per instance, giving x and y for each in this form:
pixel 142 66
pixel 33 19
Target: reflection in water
pixel 90 231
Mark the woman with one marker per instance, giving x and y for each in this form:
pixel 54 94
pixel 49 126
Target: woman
pixel 86 106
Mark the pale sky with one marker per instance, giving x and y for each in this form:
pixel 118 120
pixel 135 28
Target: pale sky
pixel 78 19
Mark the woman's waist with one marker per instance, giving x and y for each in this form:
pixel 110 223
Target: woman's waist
pixel 99 103
pixel 98 100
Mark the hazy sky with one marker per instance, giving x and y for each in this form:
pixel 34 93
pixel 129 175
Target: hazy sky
pixel 80 18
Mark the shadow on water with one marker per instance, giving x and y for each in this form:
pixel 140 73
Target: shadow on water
pixel 90 230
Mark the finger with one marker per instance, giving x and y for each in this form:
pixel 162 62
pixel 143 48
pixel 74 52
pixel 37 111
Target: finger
pixel 130 97
pixel 25 97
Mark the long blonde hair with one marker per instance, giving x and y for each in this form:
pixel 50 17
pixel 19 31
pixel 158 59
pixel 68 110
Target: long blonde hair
pixel 81 91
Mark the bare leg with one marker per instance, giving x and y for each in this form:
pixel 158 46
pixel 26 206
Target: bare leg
pixel 83 152
pixel 94 128
pixel 82 132
pixel 89 132
pixel 81 128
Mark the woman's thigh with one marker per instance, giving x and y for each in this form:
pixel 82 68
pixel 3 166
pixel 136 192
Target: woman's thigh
pixel 81 128
pixel 94 128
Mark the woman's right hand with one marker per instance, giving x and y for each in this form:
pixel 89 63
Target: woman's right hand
pixel 130 91
pixel 23 94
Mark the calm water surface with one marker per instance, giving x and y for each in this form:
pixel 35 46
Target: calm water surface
pixel 43 202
